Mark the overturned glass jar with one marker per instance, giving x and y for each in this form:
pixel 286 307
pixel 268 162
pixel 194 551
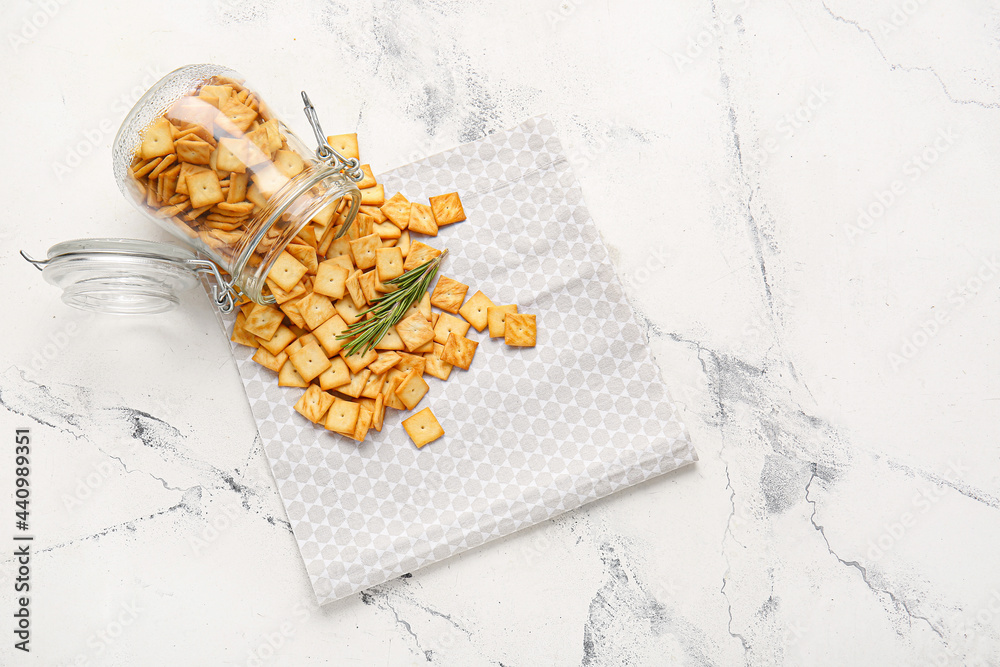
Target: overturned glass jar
pixel 203 156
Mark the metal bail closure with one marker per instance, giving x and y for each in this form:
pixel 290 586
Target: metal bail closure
pixel 351 167
pixel 128 276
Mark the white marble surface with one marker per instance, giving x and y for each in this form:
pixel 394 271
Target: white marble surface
pixel 839 376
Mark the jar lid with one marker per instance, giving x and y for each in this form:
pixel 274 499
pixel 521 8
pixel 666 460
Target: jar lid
pixel 126 276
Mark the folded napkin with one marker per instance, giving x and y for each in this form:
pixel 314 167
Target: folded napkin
pixel 529 432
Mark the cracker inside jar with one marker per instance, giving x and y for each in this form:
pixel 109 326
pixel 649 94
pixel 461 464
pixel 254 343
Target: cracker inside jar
pixel 213 161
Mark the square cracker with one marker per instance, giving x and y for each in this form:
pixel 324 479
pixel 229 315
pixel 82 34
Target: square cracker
pixel 195 152
pixel 240 335
pixel 325 215
pixel 354 290
pixel 330 279
pixel 381 287
pixel 449 324
pixel 390 341
pixel 373 196
pixel 345 144
pixel 215 94
pixel 342 416
pixel 328 332
pixel 411 389
pixel 289 377
pixel 231 155
pixel 415 331
pixel 448 294
pixel 343 260
pixel 423 428
pixel 519 331
pixel 261 147
pixel 316 309
pixel 363 250
pixel 356 385
pixel 419 254
pixel 422 220
pixel 386 231
pixel 291 309
pixel 425 348
pixel 369 178
pixel 385 361
pixel 313 404
pixel 388 263
pixel 237 188
pixel 237 113
pixel 268 180
pixel 368 286
pixel 397 210
pixel 392 379
pixel 475 310
pixel 459 351
pixel 306 255
pixel 295 346
pixel 268 360
pixel 289 163
pixel 434 366
pixel 423 307
pixel 408 362
pixel 363 225
pixel 309 361
pixel 359 360
pixel 348 311
pixel 447 209
pixel 286 271
pixel 263 321
pixel 157 140
pixel 281 296
pixel 306 237
pixel 304 339
pixel 374 212
pixel 373 387
pixel 496 316
pixel 363 425
pixel 337 375
pixel 203 188
pixel 281 339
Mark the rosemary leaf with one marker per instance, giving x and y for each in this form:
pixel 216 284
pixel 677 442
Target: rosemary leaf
pixel 389 308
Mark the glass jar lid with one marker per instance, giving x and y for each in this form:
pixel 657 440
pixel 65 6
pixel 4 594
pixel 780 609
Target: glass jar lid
pixel 127 276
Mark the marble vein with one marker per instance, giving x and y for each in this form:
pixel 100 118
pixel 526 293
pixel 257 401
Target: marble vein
pixel 908 68
pixel 73 410
pixel 896 600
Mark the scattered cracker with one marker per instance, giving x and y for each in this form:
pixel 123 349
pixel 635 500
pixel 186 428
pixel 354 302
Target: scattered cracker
pixel 423 428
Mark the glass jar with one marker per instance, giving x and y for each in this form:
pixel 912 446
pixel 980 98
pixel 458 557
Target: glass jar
pixel 203 156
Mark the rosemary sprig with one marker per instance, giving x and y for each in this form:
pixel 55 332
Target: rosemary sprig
pixel 389 308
